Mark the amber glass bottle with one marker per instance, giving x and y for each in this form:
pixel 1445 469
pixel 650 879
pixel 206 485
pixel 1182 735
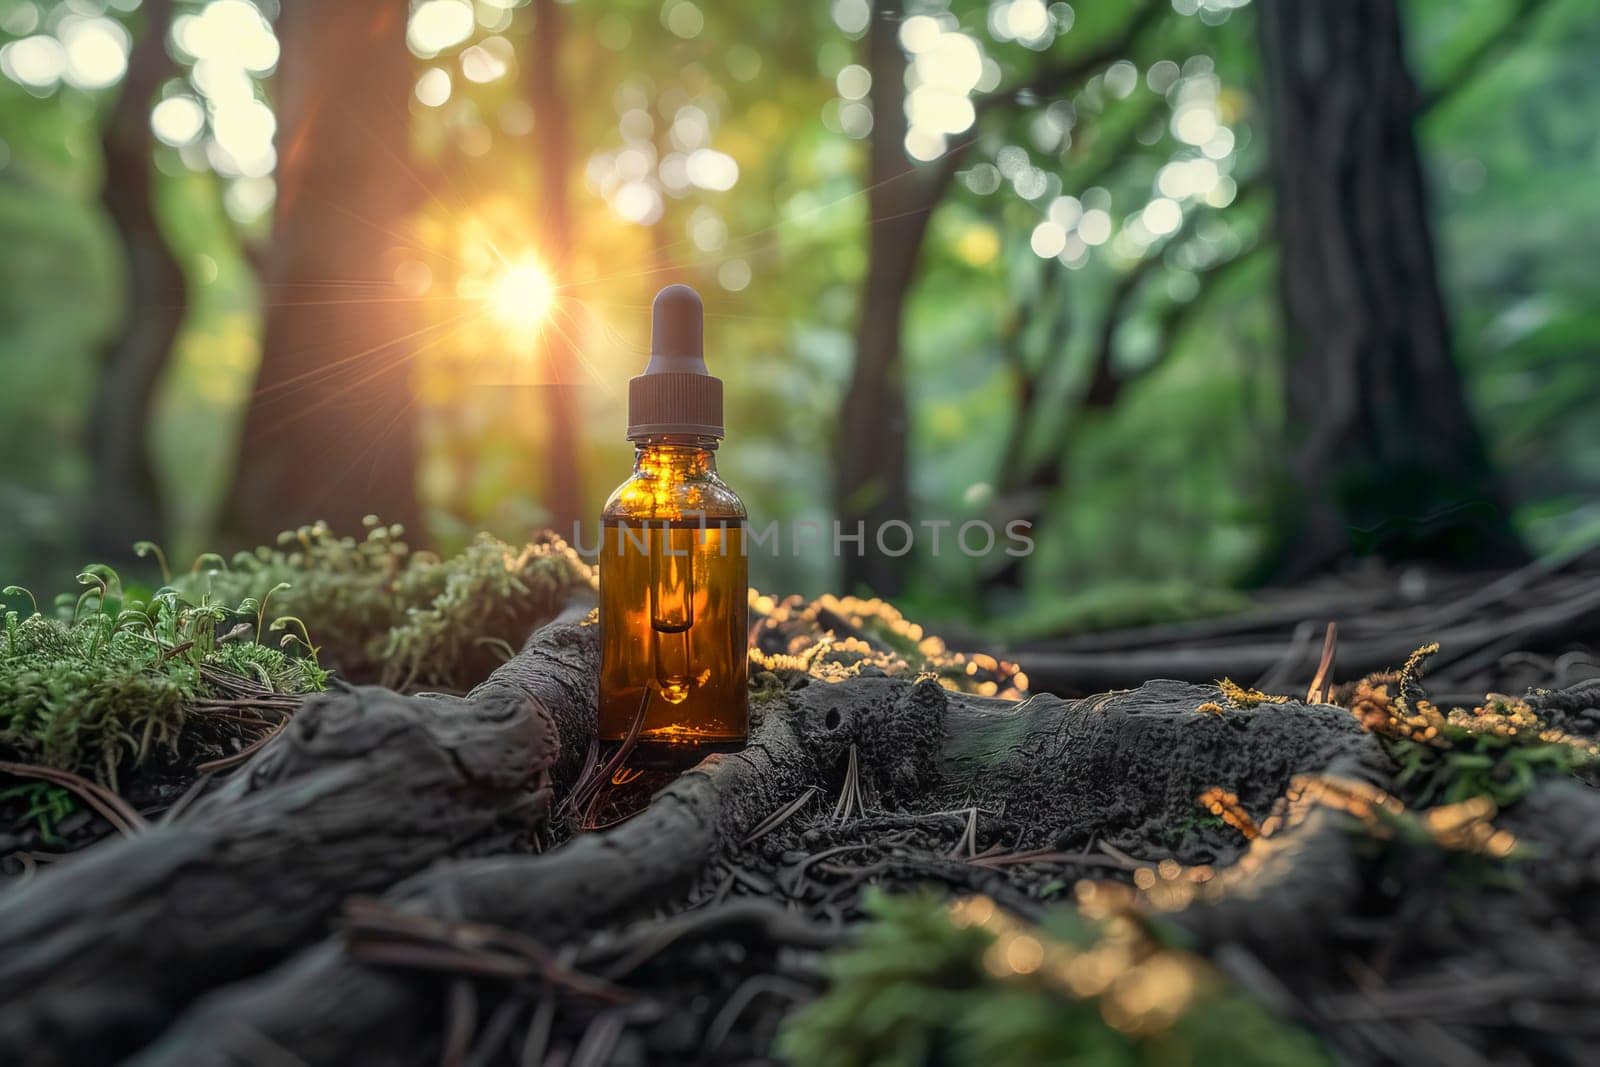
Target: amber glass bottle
pixel 672 562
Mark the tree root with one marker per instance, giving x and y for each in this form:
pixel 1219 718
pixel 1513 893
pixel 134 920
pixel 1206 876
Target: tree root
pixel 364 788
pixel 327 1006
pixel 683 931
pixel 1120 766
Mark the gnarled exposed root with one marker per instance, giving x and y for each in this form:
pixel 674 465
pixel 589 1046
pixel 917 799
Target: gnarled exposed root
pixel 1062 772
pixel 362 789
pixel 658 934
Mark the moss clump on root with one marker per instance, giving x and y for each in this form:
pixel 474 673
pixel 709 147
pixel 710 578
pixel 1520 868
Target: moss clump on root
pixel 97 689
pixel 1499 749
pixel 382 612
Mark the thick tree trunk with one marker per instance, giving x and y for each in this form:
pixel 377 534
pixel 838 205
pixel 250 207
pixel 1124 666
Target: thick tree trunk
pixel 546 94
pixel 125 504
pixel 1386 456
pixel 331 430
pixel 871 484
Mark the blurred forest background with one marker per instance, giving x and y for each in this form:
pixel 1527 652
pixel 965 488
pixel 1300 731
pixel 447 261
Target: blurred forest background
pixel 1212 291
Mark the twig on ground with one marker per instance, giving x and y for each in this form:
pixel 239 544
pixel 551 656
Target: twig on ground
pixel 587 792
pixel 850 792
pixel 222 763
pixel 379 933
pixel 461 1023
pixel 497 1031
pixel 599 1040
pixel 779 817
pixel 1117 854
pixel 1050 855
pixel 969 837
pixel 537 1040
pixel 1319 681
pixel 778 986
pixel 796 874
pixel 772 922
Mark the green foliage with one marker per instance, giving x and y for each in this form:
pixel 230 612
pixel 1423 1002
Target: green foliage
pixel 1179 829
pixel 916 989
pixel 382 612
pixel 896 995
pixel 58 304
pixel 103 684
pixel 1167 489
pixel 47 805
pixel 1513 159
pixel 1504 769
pixel 1499 749
pixel 1115 605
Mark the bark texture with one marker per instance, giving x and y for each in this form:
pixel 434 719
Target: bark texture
pixel 1117 767
pixel 333 393
pixel 646 939
pixel 647 863
pixel 362 789
pixel 1387 458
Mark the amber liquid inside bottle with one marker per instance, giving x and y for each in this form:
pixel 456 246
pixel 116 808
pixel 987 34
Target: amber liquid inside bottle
pixel 673 609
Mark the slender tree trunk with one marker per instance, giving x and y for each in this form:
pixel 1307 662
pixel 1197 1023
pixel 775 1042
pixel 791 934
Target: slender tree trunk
pixel 331 431
pixel 125 505
pixel 871 482
pixel 1385 452
pixel 551 108
pixel 871 468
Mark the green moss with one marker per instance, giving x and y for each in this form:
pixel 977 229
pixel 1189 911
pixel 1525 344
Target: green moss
pixel 1500 749
pixel 920 988
pixel 1179 829
pixel 101 686
pixel 1504 769
pixel 378 611
pixel 112 677
pixel 46 805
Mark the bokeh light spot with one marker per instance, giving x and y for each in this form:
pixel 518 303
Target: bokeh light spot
pixel 439 24
pixel 178 120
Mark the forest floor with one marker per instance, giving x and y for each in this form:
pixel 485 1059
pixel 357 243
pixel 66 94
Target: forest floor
pixel 1360 851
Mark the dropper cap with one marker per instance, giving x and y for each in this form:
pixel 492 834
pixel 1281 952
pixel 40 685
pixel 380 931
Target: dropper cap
pixel 675 394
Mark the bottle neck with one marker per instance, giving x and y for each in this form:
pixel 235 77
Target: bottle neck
pixel 675 456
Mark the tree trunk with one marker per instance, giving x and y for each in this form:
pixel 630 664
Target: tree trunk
pixel 871 465
pixel 871 484
pixel 551 108
pixel 125 505
pixel 331 430
pixel 1386 456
